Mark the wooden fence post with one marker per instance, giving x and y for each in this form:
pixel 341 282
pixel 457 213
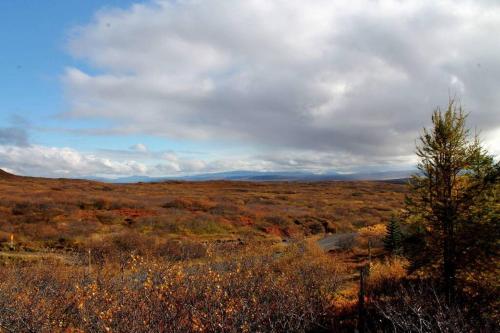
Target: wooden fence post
pixel 361 300
pixel 370 253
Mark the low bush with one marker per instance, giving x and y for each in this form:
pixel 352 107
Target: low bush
pixel 418 306
pixel 289 292
pixel 205 225
pixel 277 220
pixel 175 250
pixel 188 204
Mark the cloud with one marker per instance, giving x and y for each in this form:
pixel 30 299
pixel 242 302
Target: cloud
pixel 356 80
pixel 39 160
pixel 139 147
pixel 13 135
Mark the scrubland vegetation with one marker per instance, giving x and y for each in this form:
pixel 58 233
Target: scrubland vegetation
pixel 177 256
pixel 81 256
pixel 73 214
pixel 247 290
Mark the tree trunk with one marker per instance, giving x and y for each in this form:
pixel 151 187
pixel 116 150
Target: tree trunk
pixel 449 270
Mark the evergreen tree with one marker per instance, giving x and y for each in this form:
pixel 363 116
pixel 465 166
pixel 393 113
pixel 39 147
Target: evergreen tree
pixel 392 240
pixel 453 202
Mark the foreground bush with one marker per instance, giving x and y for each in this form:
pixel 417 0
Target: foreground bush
pixel 420 307
pixel 288 291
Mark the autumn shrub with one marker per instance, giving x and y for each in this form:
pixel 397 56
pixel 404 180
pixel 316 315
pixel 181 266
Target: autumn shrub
pixel 82 229
pixel 101 204
pixel 175 250
pixel 106 202
pixel 36 299
pixel 205 225
pixel 315 227
pixel 419 306
pixel 106 218
pixel 30 212
pixel 188 204
pixel 167 225
pixel 286 291
pixel 373 234
pixel 277 220
pixel 4 237
pixel 387 273
pixel 21 208
pixel 130 241
pixel 129 203
pixel 360 223
pixel 225 209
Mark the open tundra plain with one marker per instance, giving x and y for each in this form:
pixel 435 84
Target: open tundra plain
pixel 187 256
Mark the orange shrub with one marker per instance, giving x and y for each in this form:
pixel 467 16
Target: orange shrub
pixel 387 272
pixel 286 291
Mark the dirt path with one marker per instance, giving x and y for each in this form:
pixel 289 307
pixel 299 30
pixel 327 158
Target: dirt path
pixel 337 241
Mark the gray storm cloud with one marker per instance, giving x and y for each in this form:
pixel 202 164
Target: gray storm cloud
pixel 13 136
pixel 357 79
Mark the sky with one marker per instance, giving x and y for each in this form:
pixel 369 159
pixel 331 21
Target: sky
pixel 116 88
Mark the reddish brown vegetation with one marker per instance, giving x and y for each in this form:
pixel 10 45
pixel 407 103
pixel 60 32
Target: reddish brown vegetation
pixel 181 256
pixel 40 212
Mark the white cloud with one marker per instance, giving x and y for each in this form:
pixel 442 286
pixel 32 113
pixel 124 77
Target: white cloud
pixel 46 161
pixel 37 160
pixel 62 162
pixel 355 79
pixel 139 147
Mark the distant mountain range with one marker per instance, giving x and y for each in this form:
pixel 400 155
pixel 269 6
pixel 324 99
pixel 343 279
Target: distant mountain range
pixel 265 176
